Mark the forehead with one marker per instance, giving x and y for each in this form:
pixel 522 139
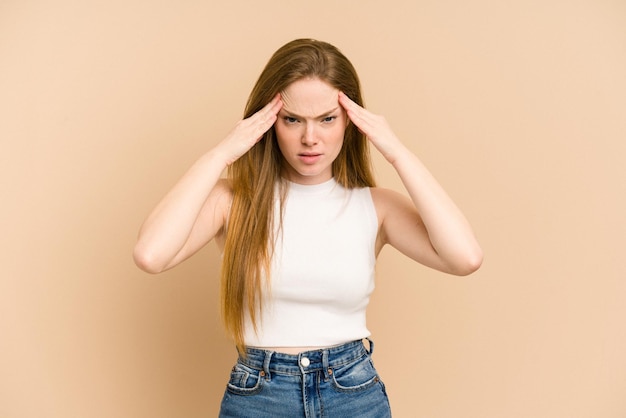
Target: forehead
pixel 310 97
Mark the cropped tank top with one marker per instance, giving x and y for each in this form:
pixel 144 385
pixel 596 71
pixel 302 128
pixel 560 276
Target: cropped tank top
pixel 322 270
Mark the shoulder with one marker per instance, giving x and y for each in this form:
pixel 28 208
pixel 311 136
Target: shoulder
pixel 395 213
pixel 393 207
pixel 222 195
pixel 218 207
pixel 223 188
pixel 218 204
pixel 386 199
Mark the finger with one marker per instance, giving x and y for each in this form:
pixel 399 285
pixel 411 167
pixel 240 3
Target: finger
pixel 277 104
pixel 356 113
pixel 266 117
pixel 262 120
pixel 270 110
pixel 348 103
pixel 345 101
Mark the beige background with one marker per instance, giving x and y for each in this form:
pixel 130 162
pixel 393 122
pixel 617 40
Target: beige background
pixel 518 107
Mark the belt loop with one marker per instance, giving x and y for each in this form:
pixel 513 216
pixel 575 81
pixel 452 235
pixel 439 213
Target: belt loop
pixel 266 365
pixel 371 348
pixel 325 365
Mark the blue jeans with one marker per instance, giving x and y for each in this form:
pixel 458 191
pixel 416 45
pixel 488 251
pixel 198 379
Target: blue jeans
pixel 336 382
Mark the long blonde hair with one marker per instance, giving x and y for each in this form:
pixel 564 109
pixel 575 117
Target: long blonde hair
pixel 253 177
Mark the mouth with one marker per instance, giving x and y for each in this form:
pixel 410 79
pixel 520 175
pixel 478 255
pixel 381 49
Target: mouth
pixel 309 157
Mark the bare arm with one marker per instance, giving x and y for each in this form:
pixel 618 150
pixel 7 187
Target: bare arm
pixel 429 227
pixel 194 211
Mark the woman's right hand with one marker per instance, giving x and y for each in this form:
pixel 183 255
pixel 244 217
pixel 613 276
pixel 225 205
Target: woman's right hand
pixel 194 211
pixel 249 131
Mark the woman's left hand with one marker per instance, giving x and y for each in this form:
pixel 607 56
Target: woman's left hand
pixel 429 228
pixel 375 127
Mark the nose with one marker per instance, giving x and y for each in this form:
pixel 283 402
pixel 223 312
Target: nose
pixel 309 137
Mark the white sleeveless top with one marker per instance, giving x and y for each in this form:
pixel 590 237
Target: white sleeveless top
pixel 322 270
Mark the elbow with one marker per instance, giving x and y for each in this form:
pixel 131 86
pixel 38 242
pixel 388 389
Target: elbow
pixel 470 267
pixel 146 261
pixel 468 264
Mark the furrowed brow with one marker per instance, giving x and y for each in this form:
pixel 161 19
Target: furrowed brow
pixel 323 115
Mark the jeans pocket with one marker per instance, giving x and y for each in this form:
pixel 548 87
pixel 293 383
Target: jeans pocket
pixel 245 380
pixel 354 377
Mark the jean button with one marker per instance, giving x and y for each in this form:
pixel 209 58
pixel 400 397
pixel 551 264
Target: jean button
pixel 305 362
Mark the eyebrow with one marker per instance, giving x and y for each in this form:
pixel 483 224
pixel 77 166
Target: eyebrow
pixel 291 114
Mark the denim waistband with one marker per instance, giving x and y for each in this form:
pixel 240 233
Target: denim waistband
pixel 308 361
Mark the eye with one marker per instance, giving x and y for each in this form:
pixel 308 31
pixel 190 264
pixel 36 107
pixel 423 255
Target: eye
pixel 329 119
pixel 290 120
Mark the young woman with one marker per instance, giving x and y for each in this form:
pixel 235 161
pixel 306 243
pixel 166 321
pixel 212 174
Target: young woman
pixel 300 224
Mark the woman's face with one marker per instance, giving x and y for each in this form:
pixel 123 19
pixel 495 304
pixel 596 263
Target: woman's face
pixel 310 129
